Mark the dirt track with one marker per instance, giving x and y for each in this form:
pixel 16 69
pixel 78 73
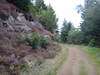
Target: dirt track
pixel 72 63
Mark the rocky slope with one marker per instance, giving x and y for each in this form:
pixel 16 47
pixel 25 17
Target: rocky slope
pixel 16 26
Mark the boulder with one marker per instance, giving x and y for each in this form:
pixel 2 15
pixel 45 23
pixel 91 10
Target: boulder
pixel 11 19
pixel 46 36
pixel 21 17
pixel 32 23
pixel 25 28
pixel 10 28
pixel 38 23
pixel 7 26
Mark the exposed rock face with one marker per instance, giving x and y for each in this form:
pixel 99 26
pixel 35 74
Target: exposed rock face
pixel 23 25
pixel 5 25
pixel 20 24
pixel 16 26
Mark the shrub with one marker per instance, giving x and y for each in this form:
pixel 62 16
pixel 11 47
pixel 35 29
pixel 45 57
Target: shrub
pixel 43 42
pixel 34 40
pixel 21 37
pixel 24 67
pixel 92 43
pixel 38 40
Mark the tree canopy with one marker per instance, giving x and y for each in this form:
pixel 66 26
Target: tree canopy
pixel 22 4
pixel 65 30
pixel 90 26
pixel 48 19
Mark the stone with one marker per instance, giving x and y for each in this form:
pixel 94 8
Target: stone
pixel 25 28
pixel 7 26
pixel 10 28
pixel 21 17
pixel 1 22
pixel 11 19
pixel 36 22
pixel 46 36
pixel 12 56
pixel 40 24
pixel 29 35
pixel 33 23
pixel 18 57
pixel 16 60
pixel 6 38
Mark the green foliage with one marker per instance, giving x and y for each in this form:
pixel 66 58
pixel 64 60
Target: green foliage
pixel 39 6
pixel 94 54
pixel 22 4
pixel 74 36
pixel 92 43
pixel 90 26
pixel 24 67
pixel 32 8
pixel 45 14
pixel 22 37
pixel 34 40
pixel 83 68
pixel 38 40
pixel 48 19
pixel 11 67
pixel 65 30
pixel 43 42
pixel 58 37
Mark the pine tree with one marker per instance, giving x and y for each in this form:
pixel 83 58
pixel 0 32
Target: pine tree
pixel 65 30
pixel 22 4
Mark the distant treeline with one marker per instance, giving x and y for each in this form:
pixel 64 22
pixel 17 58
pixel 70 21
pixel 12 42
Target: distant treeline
pixel 89 31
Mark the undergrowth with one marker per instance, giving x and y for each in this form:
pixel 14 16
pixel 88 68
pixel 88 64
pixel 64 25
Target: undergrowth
pixel 49 66
pixel 38 40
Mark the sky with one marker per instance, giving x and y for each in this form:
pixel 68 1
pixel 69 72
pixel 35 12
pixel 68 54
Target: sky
pixel 66 9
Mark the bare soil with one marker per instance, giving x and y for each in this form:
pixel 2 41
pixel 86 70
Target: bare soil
pixel 72 63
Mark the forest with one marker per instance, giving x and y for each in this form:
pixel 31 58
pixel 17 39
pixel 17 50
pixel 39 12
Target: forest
pixel 88 33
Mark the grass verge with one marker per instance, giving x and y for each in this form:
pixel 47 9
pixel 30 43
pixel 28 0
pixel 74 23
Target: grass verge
pixel 60 59
pixel 94 54
pixel 83 68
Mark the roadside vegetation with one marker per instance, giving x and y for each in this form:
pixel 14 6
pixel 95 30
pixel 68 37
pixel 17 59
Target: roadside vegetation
pixel 48 66
pixel 61 59
pixel 94 54
pixel 82 69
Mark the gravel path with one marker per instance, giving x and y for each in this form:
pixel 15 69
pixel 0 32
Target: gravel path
pixel 72 63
